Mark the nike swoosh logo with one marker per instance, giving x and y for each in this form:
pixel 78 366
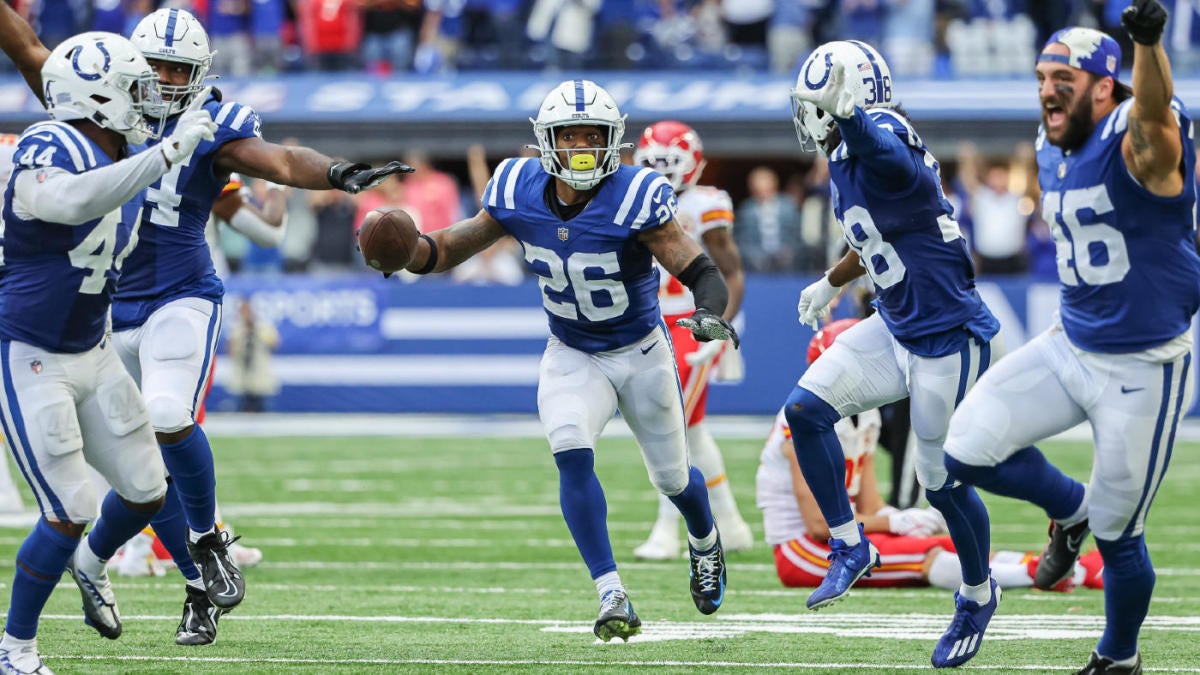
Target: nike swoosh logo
pixel 1130 390
pixel 647 349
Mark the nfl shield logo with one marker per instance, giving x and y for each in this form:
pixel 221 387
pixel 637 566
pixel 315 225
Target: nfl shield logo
pixel 35 366
pixel 1062 169
pixel 563 234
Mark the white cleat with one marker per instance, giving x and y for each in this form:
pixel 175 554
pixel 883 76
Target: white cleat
pixel 736 536
pixel 245 556
pixel 137 558
pixel 19 657
pixel 659 546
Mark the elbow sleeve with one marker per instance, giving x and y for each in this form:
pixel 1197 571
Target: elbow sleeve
pixel 256 229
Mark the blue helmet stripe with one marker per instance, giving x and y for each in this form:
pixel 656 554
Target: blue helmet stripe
pixel 578 95
pixel 171 17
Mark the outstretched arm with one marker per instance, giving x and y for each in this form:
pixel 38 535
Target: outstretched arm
pixel 21 44
pixel 891 165
pixel 1152 148
pixel 453 245
pixel 299 166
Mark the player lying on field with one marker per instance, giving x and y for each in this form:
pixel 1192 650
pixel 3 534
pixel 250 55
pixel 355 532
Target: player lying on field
pixel 913 547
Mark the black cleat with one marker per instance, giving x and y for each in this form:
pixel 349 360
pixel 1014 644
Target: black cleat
pixel 1102 665
pixel 707 577
pixel 199 623
pixel 617 618
pixel 1061 554
pixel 222 579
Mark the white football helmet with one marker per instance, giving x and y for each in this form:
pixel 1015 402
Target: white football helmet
pixel 175 35
pixel 868 79
pixel 576 102
pixel 101 77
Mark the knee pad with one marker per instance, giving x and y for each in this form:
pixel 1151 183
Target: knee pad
pixel 806 413
pixel 168 413
pixel 669 483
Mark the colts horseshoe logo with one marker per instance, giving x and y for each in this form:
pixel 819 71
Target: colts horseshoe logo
pixel 90 76
pixel 824 77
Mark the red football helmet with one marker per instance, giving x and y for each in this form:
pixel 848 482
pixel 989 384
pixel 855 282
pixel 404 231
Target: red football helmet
pixel 825 337
pixel 674 150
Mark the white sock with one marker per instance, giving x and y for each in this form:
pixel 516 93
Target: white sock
pixel 197 584
pixel 981 594
pixel 1122 663
pixel 606 583
pixel 705 543
pixel 11 642
pixel 946 571
pixel 87 561
pixel 706 456
pixel 847 532
pixel 194 536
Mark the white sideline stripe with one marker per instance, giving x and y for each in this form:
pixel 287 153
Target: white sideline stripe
pixel 423 370
pixel 411 323
pixel 496 426
pixel 605 663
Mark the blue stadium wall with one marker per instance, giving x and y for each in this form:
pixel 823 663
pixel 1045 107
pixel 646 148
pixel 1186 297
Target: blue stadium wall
pixel 358 343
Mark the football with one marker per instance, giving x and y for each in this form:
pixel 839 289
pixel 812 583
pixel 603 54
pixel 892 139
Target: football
pixel 388 239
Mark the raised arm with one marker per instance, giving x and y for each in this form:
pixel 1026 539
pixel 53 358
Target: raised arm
pixel 21 44
pixel 891 165
pixel 1152 147
pixel 443 249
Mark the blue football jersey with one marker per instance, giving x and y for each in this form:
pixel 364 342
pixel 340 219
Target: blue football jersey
pixel 599 284
pixel 912 249
pixel 56 281
pixel 1127 263
pixel 172 259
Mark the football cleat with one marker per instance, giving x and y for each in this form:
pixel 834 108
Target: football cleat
pixel 1102 665
pixel 736 535
pixel 847 564
pixel 139 559
pixel 617 618
pixel 962 639
pixel 223 580
pixel 199 623
pixel 99 603
pixel 662 544
pixel 1061 552
pixel 707 577
pixel 21 658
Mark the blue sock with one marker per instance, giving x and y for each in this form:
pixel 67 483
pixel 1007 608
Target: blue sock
pixel 41 561
pixel 693 504
pixel 584 509
pixel 171 527
pixel 117 524
pixel 967 519
pixel 1128 583
pixel 1025 475
pixel 820 454
pixel 190 464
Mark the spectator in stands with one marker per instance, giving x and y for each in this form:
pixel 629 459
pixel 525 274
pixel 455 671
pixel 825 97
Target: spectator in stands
pixel 266 32
pixel 564 29
pixel 908 33
pixel 391 192
pixel 228 25
pixel 334 248
pixel 789 35
pixel 862 20
pixel 432 194
pixel 495 33
pixel 768 231
pixel 297 246
pixel 331 33
pixel 994 194
pixel 251 341
pixel 390 33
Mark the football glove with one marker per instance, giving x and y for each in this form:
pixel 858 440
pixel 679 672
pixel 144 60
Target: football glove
pixel 354 177
pixel 1144 20
pixel 706 326
pixel 916 522
pixel 833 97
pixel 192 127
pixel 814 301
pixel 705 354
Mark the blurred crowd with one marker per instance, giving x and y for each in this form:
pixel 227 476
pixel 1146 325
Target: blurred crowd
pixel 937 38
pixel 783 221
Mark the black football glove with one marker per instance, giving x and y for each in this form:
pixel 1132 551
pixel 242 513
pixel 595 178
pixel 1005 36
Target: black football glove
pixel 706 326
pixel 1144 20
pixel 354 177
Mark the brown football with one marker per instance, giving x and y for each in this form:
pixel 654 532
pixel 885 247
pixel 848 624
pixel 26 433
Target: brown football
pixel 388 239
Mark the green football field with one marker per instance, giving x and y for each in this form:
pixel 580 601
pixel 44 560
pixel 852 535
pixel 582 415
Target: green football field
pixel 449 554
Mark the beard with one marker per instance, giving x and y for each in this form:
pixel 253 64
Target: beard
pixel 1079 124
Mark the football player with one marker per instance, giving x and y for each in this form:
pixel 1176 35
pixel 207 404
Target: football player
pixel 591 228
pixel 167 312
pixel 10 496
pixel 1115 167
pixel 706 215
pixel 930 339
pixel 69 402
pixel 910 552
